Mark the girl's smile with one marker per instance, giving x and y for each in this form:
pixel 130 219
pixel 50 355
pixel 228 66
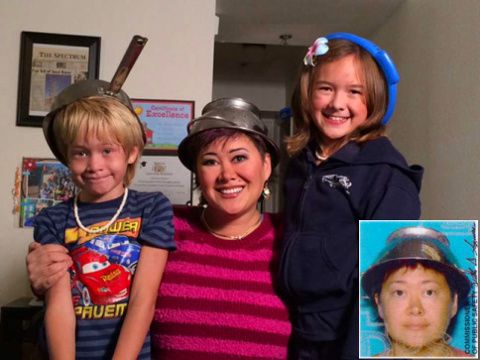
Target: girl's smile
pixel 338 100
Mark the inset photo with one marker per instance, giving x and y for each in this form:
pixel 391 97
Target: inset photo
pixel 418 289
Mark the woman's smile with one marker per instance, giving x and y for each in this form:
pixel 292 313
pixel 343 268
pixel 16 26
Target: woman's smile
pixel 231 191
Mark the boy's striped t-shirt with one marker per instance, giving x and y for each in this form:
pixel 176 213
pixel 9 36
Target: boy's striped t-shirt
pixel 104 263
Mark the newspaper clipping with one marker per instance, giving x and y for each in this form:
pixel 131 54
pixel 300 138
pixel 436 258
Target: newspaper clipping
pixel 54 67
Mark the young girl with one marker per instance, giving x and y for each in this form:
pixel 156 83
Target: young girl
pixel 342 170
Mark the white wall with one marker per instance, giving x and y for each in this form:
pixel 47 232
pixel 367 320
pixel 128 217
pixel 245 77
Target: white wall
pixel 267 95
pixel 177 63
pixel 436 45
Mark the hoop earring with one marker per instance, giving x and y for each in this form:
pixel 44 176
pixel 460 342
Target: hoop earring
pixel 447 338
pixel 266 193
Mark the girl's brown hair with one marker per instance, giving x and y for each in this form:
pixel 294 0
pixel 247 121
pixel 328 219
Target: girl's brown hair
pixel 375 97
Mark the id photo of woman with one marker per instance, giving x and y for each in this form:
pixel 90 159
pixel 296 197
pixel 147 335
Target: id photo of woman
pixel 418 289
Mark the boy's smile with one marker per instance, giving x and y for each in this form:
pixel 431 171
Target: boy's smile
pixel 99 167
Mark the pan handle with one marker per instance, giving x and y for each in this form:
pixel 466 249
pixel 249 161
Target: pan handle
pixel 133 51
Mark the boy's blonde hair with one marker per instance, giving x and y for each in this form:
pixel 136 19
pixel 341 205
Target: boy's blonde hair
pixel 103 117
pixel 375 95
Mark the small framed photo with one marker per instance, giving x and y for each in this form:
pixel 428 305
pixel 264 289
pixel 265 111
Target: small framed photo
pixel 44 183
pixel 48 64
pixel 165 123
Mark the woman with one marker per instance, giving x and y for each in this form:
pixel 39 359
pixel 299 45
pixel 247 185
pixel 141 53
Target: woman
pixel 217 298
pixel 417 288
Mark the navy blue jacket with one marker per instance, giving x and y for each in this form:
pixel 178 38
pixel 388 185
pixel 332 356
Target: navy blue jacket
pixel 319 258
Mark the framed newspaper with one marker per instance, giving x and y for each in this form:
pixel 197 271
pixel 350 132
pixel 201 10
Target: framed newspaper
pixel 48 64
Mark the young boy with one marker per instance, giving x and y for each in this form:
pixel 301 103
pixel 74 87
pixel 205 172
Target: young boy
pixel 110 232
pixel 417 289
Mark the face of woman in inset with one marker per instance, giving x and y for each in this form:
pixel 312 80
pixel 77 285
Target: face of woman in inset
pixel 231 173
pixel 416 305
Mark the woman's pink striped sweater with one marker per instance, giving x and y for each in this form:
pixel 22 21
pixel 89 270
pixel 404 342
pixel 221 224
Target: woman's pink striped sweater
pixel 217 300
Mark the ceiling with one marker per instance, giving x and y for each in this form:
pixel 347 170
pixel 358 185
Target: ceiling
pixel 263 21
pixel 248 44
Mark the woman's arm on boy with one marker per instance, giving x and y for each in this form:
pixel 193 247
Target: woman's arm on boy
pixel 141 306
pixel 46 264
pixel 60 320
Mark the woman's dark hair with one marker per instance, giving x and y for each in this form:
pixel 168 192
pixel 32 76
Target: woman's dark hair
pixel 412 264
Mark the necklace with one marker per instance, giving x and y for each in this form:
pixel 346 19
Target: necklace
pixel 231 237
pixel 107 225
pixel 319 155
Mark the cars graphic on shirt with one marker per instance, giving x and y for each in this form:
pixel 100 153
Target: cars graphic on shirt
pixel 117 248
pixel 95 280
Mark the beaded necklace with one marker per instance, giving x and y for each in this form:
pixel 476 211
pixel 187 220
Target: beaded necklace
pixel 107 225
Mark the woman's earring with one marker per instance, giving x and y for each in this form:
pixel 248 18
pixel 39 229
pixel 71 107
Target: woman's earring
pixel 266 192
pixel 447 338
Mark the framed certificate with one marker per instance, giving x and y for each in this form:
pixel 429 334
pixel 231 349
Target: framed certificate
pixel 165 123
pixel 165 174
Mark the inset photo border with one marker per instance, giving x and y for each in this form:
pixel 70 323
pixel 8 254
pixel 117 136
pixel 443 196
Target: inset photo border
pixel 377 242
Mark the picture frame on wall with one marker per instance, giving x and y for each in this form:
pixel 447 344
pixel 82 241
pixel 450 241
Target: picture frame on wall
pixel 166 174
pixel 48 64
pixel 44 182
pixel 165 123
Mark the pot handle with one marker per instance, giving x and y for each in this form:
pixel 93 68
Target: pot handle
pixel 133 51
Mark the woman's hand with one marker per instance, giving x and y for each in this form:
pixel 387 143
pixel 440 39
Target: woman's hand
pixel 46 264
